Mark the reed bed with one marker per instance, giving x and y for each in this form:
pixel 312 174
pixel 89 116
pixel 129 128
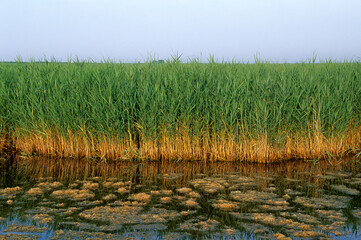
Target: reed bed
pixel 181 111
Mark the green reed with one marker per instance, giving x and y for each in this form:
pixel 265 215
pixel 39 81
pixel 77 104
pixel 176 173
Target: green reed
pixel 206 100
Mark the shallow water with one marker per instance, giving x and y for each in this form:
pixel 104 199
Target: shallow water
pixel 74 199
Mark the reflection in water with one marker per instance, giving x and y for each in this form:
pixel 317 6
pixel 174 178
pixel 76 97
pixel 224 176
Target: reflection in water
pixel 67 198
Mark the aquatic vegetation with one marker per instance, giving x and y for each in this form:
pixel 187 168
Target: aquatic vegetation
pixel 166 192
pixel 155 227
pixel 41 218
pixel 129 214
pixel 354 181
pixel 326 177
pixel 198 224
pixel 123 190
pixel 280 236
pixel 331 215
pixel 140 197
pixel 184 190
pixel 109 197
pixel 293 192
pixel 34 191
pixel 73 194
pixel 190 203
pixel 255 228
pixel 274 208
pixel 170 176
pixel 166 199
pixel 9 193
pixel 47 186
pixel 225 205
pixel 339 174
pixel 344 189
pixel 252 196
pixel 70 234
pixel 193 194
pixel 154 208
pixel 326 201
pixel 209 185
pixel 91 186
pixel 24 228
pixel 87 203
pixel 301 217
pixel 155 193
pixel 357 213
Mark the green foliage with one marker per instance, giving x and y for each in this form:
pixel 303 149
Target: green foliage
pixel 116 99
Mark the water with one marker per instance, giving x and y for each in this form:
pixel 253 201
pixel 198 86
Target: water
pixel 75 199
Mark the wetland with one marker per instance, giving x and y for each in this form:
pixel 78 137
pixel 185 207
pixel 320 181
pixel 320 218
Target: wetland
pixel 43 198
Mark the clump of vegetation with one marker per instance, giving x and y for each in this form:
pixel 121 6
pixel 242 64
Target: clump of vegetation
pixel 217 111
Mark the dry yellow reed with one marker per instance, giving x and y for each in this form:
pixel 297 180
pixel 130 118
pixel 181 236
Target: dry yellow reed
pixel 182 146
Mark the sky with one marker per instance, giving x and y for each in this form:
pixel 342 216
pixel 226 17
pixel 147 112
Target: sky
pixel 140 30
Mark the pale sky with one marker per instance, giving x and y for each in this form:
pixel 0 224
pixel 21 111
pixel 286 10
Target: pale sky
pixel 137 30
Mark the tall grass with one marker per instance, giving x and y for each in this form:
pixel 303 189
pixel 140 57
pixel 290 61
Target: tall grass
pixel 218 111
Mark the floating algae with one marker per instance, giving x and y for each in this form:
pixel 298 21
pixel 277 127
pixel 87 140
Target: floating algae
pixel 154 227
pixel 272 220
pixel 90 186
pixel 357 213
pixel 301 217
pixel 122 184
pixel 209 185
pixel 326 201
pixel 140 197
pixel 198 224
pixel 184 190
pixel 193 194
pixel 225 205
pixel 170 176
pixel 331 215
pixel 252 196
pixel 166 199
pixel 222 206
pixel 87 203
pixel 155 192
pixel 90 226
pixel 255 228
pixel 17 236
pixel 308 234
pixel 123 190
pixel 326 177
pixel 42 210
pixel 339 174
pixel 353 181
pixel 109 197
pixel 34 191
pixel 346 190
pixel 48 186
pixel 190 203
pixel 274 208
pixel 9 193
pixel 293 192
pixel 24 228
pixel 166 192
pixel 280 236
pixel 129 213
pixel 70 234
pixel 41 218
pixel 73 194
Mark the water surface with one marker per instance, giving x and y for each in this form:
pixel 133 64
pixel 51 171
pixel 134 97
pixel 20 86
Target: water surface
pixel 76 199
